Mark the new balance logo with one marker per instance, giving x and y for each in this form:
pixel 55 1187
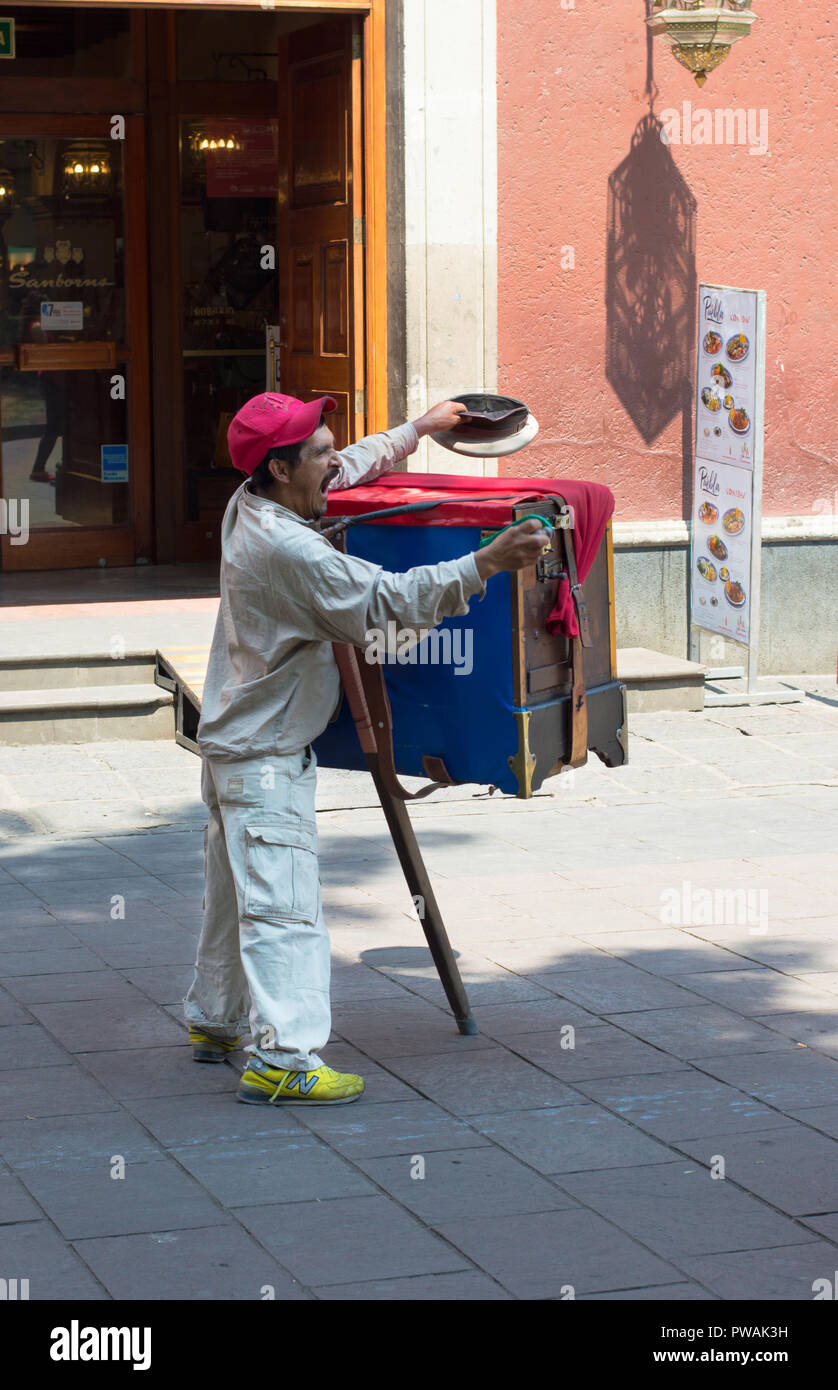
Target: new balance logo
pixel 300 1082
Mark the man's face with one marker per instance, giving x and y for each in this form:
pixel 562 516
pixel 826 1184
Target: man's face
pixel 302 489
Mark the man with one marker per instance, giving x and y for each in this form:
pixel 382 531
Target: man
pixel 272 685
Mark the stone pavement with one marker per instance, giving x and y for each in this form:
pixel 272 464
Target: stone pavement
pixel 649 1111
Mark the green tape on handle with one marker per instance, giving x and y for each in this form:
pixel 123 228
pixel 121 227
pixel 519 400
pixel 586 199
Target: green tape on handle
pixel 531 516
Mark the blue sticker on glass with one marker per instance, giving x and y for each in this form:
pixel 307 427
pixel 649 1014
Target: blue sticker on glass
pixel 114 463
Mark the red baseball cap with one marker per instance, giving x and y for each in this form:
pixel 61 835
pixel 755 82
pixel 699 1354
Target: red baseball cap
pixel 270 421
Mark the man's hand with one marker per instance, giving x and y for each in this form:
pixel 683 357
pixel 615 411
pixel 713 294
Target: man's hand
pixel 514 549
pixel 440 417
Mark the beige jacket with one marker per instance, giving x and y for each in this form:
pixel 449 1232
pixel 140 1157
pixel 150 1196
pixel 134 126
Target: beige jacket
pixel 286 594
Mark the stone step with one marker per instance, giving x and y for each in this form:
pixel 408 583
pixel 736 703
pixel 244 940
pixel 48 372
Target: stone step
pixel 86 714
pixel 656 681
pixel 74 670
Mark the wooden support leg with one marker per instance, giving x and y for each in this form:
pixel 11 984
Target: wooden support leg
pixel 416 876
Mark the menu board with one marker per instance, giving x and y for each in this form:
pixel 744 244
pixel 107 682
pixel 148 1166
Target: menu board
pixel 727 477
pixel 725 424
pixel 249 168
pixel 722 528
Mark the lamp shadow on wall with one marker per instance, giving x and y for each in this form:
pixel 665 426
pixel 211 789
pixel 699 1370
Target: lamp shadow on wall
pixel 651 289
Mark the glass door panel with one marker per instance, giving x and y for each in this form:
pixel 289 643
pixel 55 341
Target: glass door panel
pixel 229 171
pixel 65 370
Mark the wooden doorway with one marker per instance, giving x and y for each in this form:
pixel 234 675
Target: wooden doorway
pixel 257 245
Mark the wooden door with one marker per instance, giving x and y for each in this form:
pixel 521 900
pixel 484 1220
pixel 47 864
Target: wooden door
pixel 321 224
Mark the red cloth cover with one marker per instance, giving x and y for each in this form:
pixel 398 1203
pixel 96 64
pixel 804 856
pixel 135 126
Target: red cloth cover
pixel 592 505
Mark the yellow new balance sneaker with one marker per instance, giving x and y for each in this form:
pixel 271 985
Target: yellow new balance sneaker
pixel 273 1086
pixel 208 1049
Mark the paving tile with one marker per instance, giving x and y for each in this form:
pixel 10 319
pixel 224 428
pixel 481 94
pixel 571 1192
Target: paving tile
pixel 106 1024
pixel 48 1092
pixel 787 1080
pixel 30 1046
pixel 359 982
pixel 570 1139
pixel 212 1118
pixel 49 937
pixel 492 985
pixel 667 952
pixel 821 1117
pixel 75 1141
pixel 474 1083
pixel 600 1051
pixel 826 1225
pixel 15 1203
pixel 681 1104
pixel 799 953
pixel 664 1293
pixel 821 980
pixel 83 984
pixel 157 1071
pixel 621 988
pixel 789 1272
pixel 817 1030
pixel 11 1014
pixel 570 911
pixel 464 1183
pixel 348 1240
pixel 758 991
pixel 542 1255
pixel 87 1201
pixel 274 1168
pixel 46 858
pixel 547 955
pixel 54 1270
pixel 155 946
pixel 400 1027
pixel 393 1127
pixel 467 1287
pixel 548 1015
pixel 16 963
pixel 791 1167
pixel 689 1033
pixel 678 1209
pixel 165 984
pixel 218 1262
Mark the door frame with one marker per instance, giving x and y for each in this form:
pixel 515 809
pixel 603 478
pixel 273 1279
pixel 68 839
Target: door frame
pixel 155 531
pixel 76 547
pixel 174 99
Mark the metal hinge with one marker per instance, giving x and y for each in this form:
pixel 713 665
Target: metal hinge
pixel 361 402
pixel 359 231
pixel 357 46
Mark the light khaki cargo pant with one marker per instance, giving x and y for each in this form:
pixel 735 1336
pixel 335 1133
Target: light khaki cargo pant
pixel 263 956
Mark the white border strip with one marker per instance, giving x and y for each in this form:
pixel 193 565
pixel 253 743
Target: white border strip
pixel 660 534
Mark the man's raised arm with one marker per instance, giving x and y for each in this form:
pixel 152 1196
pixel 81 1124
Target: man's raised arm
pixel 379 453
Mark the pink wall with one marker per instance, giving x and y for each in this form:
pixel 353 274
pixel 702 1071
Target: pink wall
pixel 571 97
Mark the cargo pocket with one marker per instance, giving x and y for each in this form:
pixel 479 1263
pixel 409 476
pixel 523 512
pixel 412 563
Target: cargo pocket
pixel 281 872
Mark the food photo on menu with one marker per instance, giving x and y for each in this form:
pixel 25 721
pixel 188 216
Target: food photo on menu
pixel 726 396
pixel 722 556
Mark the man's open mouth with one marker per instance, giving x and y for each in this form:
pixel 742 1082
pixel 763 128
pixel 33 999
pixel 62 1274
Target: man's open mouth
pixel 328 478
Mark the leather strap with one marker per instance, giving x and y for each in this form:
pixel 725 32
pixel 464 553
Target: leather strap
pixel 578 708
pixel 366 694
